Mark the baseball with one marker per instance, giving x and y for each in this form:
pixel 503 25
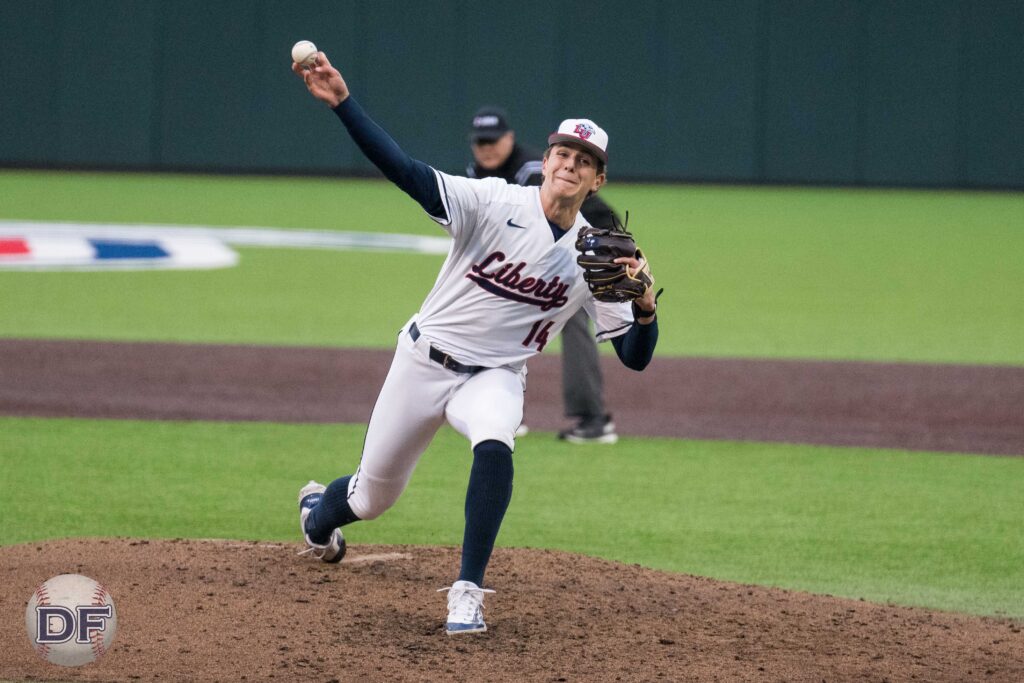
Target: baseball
pixel 71 620
pixel 304 53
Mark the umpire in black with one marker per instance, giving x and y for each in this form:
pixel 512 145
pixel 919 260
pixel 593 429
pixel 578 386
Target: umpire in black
pixel 497 154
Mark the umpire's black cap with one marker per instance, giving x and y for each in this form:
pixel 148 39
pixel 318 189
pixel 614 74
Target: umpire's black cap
pixel 489 124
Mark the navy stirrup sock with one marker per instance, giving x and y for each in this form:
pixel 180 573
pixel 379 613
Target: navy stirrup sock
pixel 487 498
pixel 332 512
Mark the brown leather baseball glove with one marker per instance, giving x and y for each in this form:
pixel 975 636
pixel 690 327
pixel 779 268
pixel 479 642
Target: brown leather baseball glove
pixel 610 281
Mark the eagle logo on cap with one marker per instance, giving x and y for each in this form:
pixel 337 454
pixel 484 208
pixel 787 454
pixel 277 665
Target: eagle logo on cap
pixel 584 131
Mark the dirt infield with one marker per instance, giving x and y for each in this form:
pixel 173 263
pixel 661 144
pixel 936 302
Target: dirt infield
pixel 973 409
pixel 219 611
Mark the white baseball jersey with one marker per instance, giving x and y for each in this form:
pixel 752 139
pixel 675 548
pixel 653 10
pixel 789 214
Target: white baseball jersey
pixel 506 288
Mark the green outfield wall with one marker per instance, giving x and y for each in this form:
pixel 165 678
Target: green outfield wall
pixel 877 92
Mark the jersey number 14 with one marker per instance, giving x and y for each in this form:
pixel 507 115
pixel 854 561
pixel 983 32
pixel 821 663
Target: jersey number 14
pixel 538 334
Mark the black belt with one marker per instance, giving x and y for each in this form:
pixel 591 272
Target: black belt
pixel 443 358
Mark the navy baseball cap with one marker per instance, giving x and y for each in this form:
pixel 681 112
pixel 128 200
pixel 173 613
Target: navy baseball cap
pixel 489 124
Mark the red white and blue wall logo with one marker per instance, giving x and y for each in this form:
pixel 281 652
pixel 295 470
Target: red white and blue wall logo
pixel 94 253
pixel 49 245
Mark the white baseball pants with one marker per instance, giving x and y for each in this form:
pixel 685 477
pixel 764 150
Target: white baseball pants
pixel 418 395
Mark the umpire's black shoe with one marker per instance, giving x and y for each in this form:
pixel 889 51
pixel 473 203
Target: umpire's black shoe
pixel 591 430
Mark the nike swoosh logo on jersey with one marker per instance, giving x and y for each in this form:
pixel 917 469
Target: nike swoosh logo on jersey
pixel 510 224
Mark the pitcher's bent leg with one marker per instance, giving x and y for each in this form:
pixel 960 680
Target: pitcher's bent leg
pixel 408 412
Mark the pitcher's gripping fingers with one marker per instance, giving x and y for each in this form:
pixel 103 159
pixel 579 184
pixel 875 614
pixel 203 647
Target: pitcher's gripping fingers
pixel 323 81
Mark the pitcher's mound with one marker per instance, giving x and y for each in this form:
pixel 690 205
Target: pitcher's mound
pixel 232 610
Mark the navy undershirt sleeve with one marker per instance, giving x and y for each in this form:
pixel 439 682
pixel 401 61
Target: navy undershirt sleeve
pixel 413 177
pixel 636 348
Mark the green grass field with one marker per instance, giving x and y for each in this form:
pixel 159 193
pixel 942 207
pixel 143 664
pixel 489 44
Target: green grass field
pixel 750 272
pixel 769 272
pixel 927 529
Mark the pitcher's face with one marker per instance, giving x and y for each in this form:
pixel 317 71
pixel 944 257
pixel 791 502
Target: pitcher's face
pixel 571 171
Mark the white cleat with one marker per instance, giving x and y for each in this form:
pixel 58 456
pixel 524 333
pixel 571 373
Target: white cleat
pixel 465 608
pixel 309 497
